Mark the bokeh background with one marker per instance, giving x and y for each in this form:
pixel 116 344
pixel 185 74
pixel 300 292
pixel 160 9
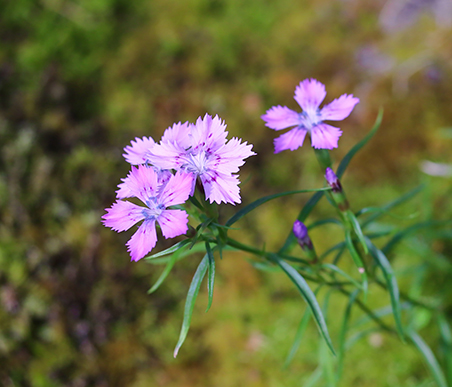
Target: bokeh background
pixel 79 79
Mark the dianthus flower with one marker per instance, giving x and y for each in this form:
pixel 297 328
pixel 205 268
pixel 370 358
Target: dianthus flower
pixel 201 150
pixel 143 183
pixel 309 94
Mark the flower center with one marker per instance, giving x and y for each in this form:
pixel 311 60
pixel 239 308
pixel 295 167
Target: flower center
pixel 310 118
pixel 154 209
pixel 197 163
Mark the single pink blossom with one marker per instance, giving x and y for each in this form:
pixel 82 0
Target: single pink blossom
pixel 309 94
pixel 203 151
pixel 143 183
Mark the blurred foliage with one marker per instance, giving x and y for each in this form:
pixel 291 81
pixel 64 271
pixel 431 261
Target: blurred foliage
pixel 79 79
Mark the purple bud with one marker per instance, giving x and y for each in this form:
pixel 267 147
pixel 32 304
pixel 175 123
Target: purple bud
pixel 332 180
pixel 301 233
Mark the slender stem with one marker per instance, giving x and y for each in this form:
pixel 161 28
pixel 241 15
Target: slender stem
pixel 409 299
pixel 267 255
pixel 369 312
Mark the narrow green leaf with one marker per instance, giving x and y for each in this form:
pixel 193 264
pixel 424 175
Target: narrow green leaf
pixel 298 337
pixel 429 358
pixel 410 230
pixel 300 332
pixel 338 256
pixel 446 338
pixel 200 229
pixel 309 297
pixel 393 204
pixel 314 378
pixel 357 259
pixel 190 301
pixel 348 157
pixel 166 271
pixel 169 250
pixel 195 202
pixel 211 275
pixel 306 210
pixel 378 313
pixel 250 207
pixel 357 230
pixel 391 284
pixel 326 362
pixel 264 266
pixel 183 254
pixel 338 246
pixel 382 211
pixel 343 334
pixel 324 221
pixel 343 274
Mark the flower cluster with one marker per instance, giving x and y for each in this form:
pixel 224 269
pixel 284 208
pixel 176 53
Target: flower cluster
pixel 309 94
pixel 165 174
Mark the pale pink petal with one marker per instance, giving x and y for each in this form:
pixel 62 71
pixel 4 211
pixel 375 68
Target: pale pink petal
pixel 142 182
pixel 177 190
pixel 280 117
pixel 179 133
pixel 168 155
pixel 124 190
pixel 143 241
pixel 291 140
pixel 221 188
pixel 122 215
pixel 230 157
pixel 309 94
pixel 208 134
pixel 339 108
pixel 325 136
pixel 173 223
pixel 137 152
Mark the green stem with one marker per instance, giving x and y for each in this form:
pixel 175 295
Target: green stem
pixel 407 298
pixel 369 312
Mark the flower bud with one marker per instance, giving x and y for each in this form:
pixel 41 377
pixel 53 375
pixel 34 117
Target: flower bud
pixel 333 181
pixel 301 233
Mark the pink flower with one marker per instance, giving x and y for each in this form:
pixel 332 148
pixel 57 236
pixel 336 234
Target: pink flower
pixel 202 150
pixel 143 183
pixel 309 94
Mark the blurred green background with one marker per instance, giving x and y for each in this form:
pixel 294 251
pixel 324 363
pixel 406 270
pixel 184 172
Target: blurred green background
pixel 79 79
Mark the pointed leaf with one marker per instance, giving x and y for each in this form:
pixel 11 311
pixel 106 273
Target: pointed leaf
pixel 357 230
pixel 393 204
pixel 343 334
pixel 298 337
pixel 391 284
pixel 309 297
pixel 324 221
pixel 338 246
pixel 446 338
pixel 410 230
pixel 190 301
pixel 250 207
pixel 343 274
pixel 357 259
pixel 300 332
pixel 169 250
pixel 211 275
pixel 429 358
pixel 200 229
pixel 166 271
pixel 348 157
